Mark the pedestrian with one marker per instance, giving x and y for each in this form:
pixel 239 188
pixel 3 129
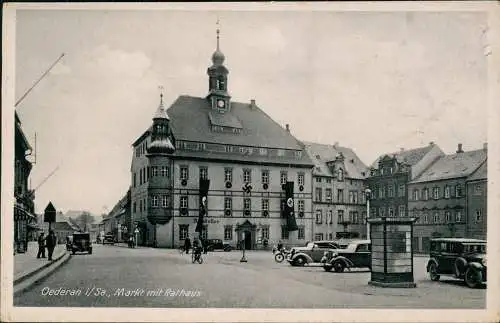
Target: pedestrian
pixel 280 245
pixel 51 242
pixel 187 244
pixel 41 246
pixel 204 243
pixel 68 243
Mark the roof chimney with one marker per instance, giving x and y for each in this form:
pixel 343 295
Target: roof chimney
pixel 402 149
pixel 459 150
pixel 287 127
pixel 252 103
pixel 431 143
pixel 485 146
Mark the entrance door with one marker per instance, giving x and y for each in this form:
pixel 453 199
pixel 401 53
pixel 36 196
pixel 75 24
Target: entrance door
pixel 248 240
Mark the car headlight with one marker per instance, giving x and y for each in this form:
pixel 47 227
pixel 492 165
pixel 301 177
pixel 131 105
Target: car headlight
pixel 325 253
pixel 484 262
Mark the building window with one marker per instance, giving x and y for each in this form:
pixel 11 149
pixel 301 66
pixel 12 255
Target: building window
pixel 425 196
pixel 134 207
pixel 228 203
pixel 382 211
pixel 340 216
pixel 391 212
pixel 281 152
pixel 300 178
pixel 184 174
pixel 435 193
pixel 381 192
pixel 263 151
pixel 184 202
pixel 363 216
pixel 446 192
pixel 247 204
pixel 402 211
pixel 265 232
pixel 265 205
pixel 154 171
pixel 140 176
pixel 340 196
pixel 283 177
pixel 300 205
pixel 458 190
pixel 426 217
pixel 164 201
pixel 318 196
pixel 318 236
pixel 319 217
pixel 330 217
pixel 229 149
pixel 284 232
pixel 355 217
pixel 135 180
pixel 478 216
pixel 415 194
pixel 265 177
pixel 436 217
pixel 203 172
pixel 353 197
pixel 164 171
pixel 228 232
pixel 328 193
pixel 402 190
pixel 478 190
pixel 302 232
pixel 447 216
pixel 340 174
pixel 247 175
pixel 328 180
pixel 318 179
pixel 228 174
pixel 140 205
pixel 154 201
pixel 390 190
pixel 458 216
pixel 183 231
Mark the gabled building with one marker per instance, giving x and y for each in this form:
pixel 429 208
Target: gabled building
pixel 247 157
pixel 477 202
pixel 339 205
pixel 438 197
pixel 390 175
pixel 117 219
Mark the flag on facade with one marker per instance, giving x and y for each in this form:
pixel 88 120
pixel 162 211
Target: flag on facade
pixel 291 223
pixel 204 185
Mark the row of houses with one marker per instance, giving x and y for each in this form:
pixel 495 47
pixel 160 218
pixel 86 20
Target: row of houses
pixel 253 165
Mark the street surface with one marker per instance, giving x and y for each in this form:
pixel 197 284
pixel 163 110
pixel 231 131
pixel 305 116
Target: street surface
pixel 114 276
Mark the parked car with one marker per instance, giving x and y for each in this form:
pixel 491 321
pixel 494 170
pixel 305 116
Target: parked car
pixel 218 244
pixel 311 253
pixel 108 238
pixel 357 254
pixel 462 258
pixel 81 243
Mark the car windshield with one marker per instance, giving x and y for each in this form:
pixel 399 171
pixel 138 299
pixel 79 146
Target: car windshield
pixel 475 248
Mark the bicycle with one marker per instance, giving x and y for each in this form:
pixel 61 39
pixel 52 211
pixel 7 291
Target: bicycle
pixel 196 256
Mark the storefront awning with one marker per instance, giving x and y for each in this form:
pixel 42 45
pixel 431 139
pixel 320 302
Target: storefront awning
pixel 20 213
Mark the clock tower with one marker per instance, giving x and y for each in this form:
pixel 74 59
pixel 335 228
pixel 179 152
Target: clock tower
pixel 218 96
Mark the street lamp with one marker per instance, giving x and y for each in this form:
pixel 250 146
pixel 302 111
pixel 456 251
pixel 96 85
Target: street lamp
pixel 368 193
pixel 243 238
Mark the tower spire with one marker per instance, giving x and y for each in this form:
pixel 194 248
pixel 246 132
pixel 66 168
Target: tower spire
pixel 161 88
pixel 218 33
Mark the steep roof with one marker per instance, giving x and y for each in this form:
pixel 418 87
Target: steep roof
pixel 480 174
pixel 453 166
pixel 320 154
pixel 190 120
pixel 410 156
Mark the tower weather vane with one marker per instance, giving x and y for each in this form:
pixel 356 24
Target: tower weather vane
pixel 161 88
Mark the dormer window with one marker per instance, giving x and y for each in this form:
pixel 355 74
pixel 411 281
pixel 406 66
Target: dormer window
pixel 340 174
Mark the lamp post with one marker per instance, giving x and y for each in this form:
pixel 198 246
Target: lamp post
pixel 243 238
pixel 368 193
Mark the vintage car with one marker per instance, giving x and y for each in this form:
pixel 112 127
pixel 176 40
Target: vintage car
pixel 311 252
pixel 108 238
pixel 462 258
pixel 218 244
pixel 81 243
pixel 357 254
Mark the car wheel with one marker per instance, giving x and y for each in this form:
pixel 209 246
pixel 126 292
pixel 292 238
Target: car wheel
pixel 473 278
pixel 338 266
pixel 433 272
pixel 279 257
pixel 200 260
pixel 327 268
pixel 300 261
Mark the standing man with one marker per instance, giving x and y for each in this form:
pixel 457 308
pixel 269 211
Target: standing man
pixel 41 246
pixel 187 244
pixel 51 241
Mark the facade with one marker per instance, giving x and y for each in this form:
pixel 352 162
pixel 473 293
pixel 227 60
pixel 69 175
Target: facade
pixel 339 205
pixel 116 221
pixel 247 158
pixel 439 198
pixel 477 203
pixel 24 218
pixel 390 175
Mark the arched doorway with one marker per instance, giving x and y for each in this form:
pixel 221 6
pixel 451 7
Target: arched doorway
pixel 246 235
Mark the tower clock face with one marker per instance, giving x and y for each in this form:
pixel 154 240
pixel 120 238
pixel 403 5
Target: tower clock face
pixel 221 103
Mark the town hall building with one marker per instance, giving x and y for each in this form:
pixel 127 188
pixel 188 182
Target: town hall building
pixel 249 160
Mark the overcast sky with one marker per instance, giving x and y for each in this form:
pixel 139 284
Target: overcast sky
pixel 372 81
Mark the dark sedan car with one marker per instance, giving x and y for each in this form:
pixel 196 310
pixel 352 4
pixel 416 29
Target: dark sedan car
pixel 218 244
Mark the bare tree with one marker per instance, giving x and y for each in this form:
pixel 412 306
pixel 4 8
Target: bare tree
pixel 84 221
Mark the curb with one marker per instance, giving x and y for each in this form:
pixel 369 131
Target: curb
pixel 22 284
pixel 28 274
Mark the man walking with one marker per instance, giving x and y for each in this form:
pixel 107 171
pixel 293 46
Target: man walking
pixel 187 244
pixel 41 246
pixel 51 241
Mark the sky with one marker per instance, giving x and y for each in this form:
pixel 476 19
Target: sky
pixel 372 81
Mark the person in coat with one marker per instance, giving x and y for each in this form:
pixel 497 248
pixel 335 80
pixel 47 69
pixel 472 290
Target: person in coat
pixel 187 244
pixel 41 245
pixel 51 242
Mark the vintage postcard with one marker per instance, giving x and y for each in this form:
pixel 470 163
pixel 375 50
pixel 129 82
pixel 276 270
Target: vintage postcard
pixel 250 162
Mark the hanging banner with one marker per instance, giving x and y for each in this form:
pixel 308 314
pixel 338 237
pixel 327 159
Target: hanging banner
pixel 290 207
pixel 204 185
